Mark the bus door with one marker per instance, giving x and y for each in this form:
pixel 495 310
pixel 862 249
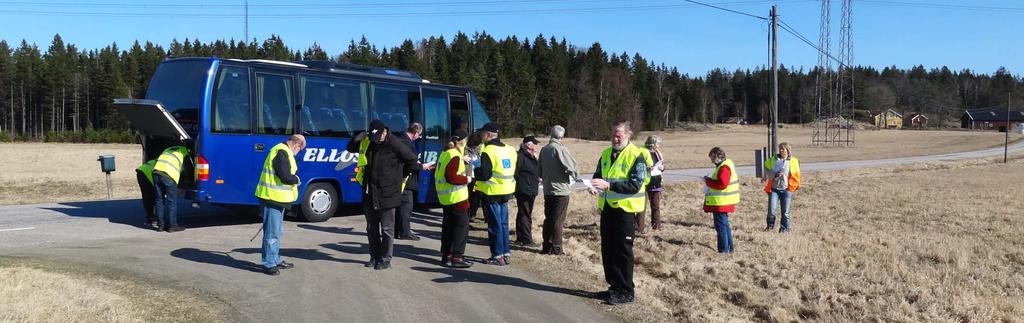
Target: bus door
pixel 397 106
pixel 274 119
pixel 436 131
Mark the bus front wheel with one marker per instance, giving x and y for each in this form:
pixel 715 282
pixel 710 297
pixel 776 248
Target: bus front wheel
pixel 319 202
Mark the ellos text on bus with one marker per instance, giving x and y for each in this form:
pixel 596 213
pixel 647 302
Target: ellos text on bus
pixel 229 113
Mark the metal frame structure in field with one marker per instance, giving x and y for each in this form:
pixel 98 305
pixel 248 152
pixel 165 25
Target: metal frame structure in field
pixel 835 124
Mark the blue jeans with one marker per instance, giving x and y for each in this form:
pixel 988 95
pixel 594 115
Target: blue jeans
pixel 496 215
pixel 724 232
pixel 272 218
pixel 786 197
pixel 166 201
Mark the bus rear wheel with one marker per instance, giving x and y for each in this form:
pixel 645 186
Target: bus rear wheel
pixel 319 202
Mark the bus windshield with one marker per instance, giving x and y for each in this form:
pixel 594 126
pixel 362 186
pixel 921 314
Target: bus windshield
pixel 178 85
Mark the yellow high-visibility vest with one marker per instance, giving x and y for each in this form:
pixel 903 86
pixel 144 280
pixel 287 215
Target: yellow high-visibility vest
pixel 147 169
pixel 503 170
pixel 170 162
pixel 731 194
pixel 270 186
pixel 447 193
pixel 618 170
pixel 361 161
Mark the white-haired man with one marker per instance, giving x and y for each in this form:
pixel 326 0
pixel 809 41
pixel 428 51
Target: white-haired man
pixel 557 169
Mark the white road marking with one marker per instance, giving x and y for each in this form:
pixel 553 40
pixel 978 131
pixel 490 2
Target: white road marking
pixel 17 229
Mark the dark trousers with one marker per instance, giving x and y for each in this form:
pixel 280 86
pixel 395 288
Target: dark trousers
pixel 166 200
pixel 724 232
pixel 454 232
pixel 654 203
pixel 380 229
pixel 524 218
pixel 617 228
pixel 148 195
pixel 475 199
pixel 555 207
pixel 402 226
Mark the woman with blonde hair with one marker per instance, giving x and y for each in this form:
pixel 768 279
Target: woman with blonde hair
pixel 783 178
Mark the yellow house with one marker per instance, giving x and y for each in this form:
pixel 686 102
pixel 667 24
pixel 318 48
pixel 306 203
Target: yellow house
pixel 889 120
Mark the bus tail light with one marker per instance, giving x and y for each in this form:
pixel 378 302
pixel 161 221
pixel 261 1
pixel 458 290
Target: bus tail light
pixel 202 168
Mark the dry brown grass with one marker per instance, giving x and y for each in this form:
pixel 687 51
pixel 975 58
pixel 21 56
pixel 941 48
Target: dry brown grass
pixel 933 242
pixel 47 172
pixel 686 149
pixel 37 291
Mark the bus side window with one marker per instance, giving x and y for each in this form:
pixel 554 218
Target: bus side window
pixel 392 105
pixel 273 104
pixel 231 113
pixel 333 107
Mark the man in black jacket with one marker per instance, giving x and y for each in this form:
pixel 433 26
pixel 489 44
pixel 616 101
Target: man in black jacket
pixel 527 182
pixel 388 161
pixel 403 229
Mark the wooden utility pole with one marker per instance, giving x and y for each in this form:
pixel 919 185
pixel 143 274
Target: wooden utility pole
pixel 773 142
pixel 1006 142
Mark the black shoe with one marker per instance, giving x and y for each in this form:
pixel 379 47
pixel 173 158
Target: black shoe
pixel 175 229
pixel 382 265
pixel 446 261
pixel 769 228
pixel 603 294
pixel 621 299
pixel 499 261
pixel 412 237
pixel 556 251
pixel 153 224
pixel 371 263
pixel 461 263
pixel 285 265
pixel 783 230
pixel 271 271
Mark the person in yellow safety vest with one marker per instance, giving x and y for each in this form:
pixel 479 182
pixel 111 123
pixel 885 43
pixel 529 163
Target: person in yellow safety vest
pixel 166 173
pixel 782 180
pixel 721 196
pixel 277 190
pixel 144 175
pixel 495 180
pixel 388 162
pixel 620 181
pixel 451 182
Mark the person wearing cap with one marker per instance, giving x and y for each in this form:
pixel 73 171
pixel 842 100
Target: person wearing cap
pixel 452 183
pixel 388 162
pixel 620 180
pixel 557 169
pixel 527 181
pixel 496 183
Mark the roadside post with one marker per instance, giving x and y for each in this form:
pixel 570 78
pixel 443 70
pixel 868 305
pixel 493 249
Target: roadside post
pixel 107 166
pixel 759 162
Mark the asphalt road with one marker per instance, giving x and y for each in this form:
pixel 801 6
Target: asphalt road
pixel 329 282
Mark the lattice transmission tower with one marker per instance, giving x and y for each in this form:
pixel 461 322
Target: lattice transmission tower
pixel 835 124
pixel 845 107
pixel 824 80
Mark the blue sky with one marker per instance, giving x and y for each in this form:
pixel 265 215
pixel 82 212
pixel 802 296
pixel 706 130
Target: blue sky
pixel 980 35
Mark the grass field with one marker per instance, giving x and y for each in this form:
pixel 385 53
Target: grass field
pixel 929 243
pixel 50 172
pixel 43 291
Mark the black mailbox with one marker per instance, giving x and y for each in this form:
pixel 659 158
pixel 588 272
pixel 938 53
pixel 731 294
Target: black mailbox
pixel 106 163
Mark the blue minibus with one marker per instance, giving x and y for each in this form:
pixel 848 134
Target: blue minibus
pixel 230 112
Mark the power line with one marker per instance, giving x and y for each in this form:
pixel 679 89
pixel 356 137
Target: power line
pixel 351 14
pixel 942 6
pixel 728 10
pixel 797 34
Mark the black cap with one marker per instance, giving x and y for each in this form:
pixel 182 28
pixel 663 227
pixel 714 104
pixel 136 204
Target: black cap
pixel 377 128
pixel 491 127
pixel 531 138
pixel 459 134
